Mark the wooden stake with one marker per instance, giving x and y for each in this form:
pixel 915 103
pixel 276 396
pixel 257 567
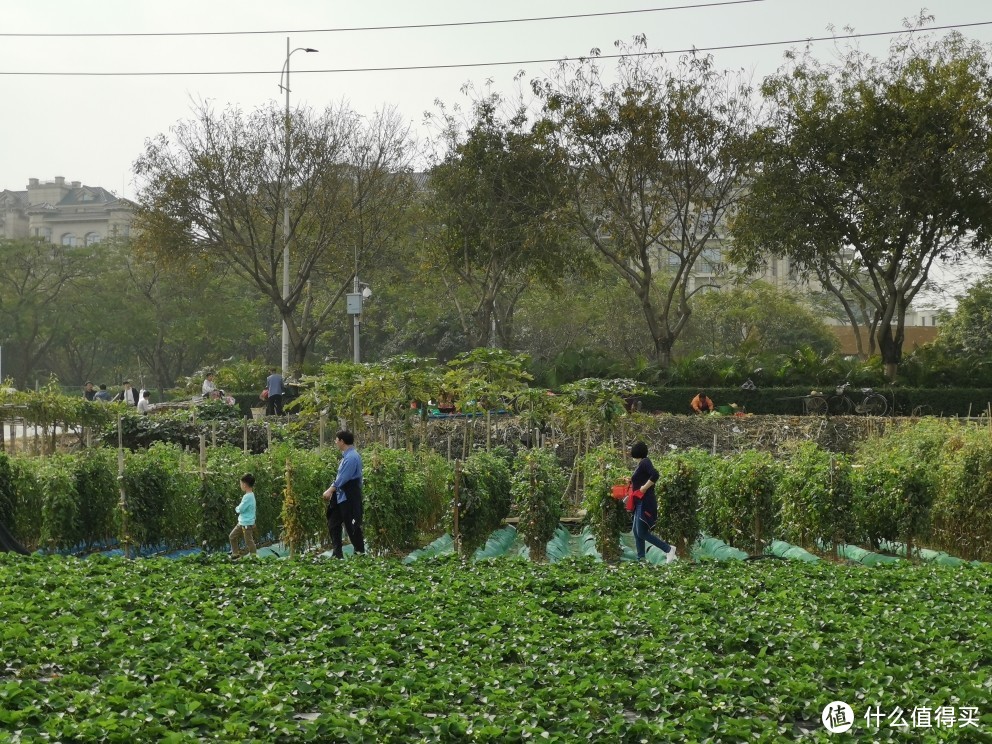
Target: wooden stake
pixel 246 435
pixel 268 436
pixel 456 536
pixel 323 425
pixel 125 535
pixel 213 434
pixel 488 432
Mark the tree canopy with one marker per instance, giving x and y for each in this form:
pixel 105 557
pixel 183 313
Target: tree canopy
pixel 217 189
pixel 871 171
pixel 494 209
pixel 656 163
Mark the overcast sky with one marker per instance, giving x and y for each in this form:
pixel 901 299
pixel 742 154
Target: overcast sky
pixel 91 129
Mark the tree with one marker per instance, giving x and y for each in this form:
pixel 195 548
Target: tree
pixel 216 192
pixel 656 163
pixel 872 170
pixel 968 330
pixel 36 277
pixel 495 198
pixel 754 320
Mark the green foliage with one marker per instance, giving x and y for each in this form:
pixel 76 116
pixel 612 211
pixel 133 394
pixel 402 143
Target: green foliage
pixel 677 491
pixel 895 482
pixel 494 204
pixel 28 501
pixel 391 508
pixel 486 379
pixel 739 504
pixel 598 402
pixel 815 492
pixel 60 523
pixel 148 489
pixel 8 491
pixel 882 156
pixel 743 630
pixel 602 469
pixel 483 499
pixel 179 429
pixel 961 513
pixel 97 494
pixel 240 376
pixel 430 480
pixel 657 163
pixel 538 486
pixel 753 320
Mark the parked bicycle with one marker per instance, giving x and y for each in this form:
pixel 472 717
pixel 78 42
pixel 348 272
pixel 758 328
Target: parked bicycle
pixel 870 403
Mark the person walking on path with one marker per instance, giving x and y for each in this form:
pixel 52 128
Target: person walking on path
pixel 275 386
pixel 245 528
pixel 645 504
pixel 344 497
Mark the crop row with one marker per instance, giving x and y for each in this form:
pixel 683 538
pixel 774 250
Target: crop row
pixel 370 650
pixel 923 485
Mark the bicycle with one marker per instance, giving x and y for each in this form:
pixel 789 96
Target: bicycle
pixel 841 404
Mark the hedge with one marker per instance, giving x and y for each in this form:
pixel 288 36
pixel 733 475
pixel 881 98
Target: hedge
pixel 947 402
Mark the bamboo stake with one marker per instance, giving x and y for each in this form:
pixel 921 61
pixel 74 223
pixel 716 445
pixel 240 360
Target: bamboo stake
pixel 323 425
pixel 213 435
pixel 268 436
pixel 246 435
pixel 488 432
pixel 125 535
pixel 456 536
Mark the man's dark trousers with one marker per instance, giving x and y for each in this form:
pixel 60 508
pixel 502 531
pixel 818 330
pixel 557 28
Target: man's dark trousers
pixel 347 514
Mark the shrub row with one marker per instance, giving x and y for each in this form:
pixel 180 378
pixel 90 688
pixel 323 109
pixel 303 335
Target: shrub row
pixel 926 483
pixel 785 400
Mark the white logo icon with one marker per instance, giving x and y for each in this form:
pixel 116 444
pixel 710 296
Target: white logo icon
pixel 837 717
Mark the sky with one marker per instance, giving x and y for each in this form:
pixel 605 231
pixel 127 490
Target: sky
pixel 92 128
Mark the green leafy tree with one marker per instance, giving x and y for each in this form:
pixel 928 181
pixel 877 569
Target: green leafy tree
pixel 495 199
pixel 656 164
pixel 753 320
pixel 968 330
pixel 35 280
pixel 872 171
pixel 216 192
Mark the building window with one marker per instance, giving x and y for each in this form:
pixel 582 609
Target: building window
pixel 70 240
pixel 92 238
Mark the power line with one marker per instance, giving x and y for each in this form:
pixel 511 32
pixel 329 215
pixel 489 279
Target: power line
pixel 457 65
pixel 382 28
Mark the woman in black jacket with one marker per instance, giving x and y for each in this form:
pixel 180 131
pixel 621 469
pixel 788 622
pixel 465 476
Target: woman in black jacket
pixel 646 504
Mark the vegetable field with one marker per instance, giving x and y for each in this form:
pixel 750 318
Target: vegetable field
pixel 506 650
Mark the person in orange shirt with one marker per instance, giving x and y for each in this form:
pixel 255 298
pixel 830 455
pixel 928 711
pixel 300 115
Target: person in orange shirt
pixel 702 404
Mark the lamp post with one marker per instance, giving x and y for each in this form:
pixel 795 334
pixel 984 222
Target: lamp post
pixel 285 213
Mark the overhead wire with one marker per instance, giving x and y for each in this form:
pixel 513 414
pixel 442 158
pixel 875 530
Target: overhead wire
pixel 463 65
pixel 349 29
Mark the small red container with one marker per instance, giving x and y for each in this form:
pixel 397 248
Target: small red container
pixel 620 490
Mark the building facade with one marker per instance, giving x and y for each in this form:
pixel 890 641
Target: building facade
pixel 67 214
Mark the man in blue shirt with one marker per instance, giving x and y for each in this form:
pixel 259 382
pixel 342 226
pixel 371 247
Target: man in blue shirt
pixel 344 497
pixel 274 386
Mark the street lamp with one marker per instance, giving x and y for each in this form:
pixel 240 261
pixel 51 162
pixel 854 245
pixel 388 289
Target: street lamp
pixel 285 213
